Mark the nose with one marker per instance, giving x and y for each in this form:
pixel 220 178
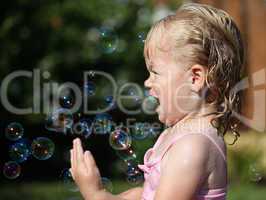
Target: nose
pixel 147 83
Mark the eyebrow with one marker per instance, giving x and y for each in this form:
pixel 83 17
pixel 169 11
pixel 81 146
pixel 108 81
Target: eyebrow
pixel 150 65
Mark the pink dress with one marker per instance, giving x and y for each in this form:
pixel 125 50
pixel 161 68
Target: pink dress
pixel 151 168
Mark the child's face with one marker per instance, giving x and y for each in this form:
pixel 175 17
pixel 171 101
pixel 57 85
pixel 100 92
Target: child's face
pixel 170 82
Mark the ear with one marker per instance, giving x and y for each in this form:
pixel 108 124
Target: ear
pixel 198 75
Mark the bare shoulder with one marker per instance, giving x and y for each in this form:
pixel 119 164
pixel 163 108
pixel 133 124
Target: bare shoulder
pixel 184 168
pixel 194 148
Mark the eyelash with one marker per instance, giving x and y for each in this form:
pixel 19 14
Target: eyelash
pixel 156 73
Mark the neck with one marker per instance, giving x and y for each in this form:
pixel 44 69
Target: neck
pixel 205 111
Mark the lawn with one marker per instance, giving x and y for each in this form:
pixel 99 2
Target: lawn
pixel 55 191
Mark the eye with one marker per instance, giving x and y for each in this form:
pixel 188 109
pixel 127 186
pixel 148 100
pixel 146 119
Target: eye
pixel 154 72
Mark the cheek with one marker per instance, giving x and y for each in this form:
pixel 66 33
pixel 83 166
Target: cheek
pixel 181 94
pixel 186 100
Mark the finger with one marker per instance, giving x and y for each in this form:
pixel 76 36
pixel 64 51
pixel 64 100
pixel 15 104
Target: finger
pixel 79 152
pixel 72 173
pixel 72 158
pixel 74 155
pixel 89 160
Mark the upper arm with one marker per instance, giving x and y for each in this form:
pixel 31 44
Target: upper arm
pixel 132 194
pixel 184 168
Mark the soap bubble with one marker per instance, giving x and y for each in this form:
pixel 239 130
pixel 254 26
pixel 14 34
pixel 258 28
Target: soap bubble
pixel 150 104
pixel 14 131
pixel 59 121
pixel 20 151
pixel 140 131
pixel 134 175
pixel 42 148
pixel 134 92
pixel 68 181
pixel 132 97
pixel 146 93
pixel 107 184
pixel 254 173
pixel 109 99
pixel 154 130
pixel 102 123
pixel 127 154
pixel 89 88
pixel 108 40
pixel 67 99
pixel 11 170
pixel 110 102
pixel 120 139
pixel 135 178
pixel 141 37
pixel 83 127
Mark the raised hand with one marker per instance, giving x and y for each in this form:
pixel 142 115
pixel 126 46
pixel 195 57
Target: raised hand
pixel 85 171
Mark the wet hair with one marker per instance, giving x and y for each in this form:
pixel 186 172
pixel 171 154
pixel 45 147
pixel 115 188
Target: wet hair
pixel 208 36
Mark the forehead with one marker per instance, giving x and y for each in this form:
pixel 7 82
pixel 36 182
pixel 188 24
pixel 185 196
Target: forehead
pixel 158 43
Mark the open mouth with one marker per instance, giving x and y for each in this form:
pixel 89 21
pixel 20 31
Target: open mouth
pixel 152 102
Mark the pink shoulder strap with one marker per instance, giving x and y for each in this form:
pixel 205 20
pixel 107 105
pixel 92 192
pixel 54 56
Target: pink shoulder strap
pixel 179 136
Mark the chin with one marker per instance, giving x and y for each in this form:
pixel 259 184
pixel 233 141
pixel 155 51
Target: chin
pixel 168 120
pixel 162 117
pixel 165 120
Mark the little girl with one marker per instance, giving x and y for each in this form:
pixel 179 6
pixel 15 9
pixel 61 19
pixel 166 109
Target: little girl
pixel 194 58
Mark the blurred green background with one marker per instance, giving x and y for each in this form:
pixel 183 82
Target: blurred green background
pixel 64 38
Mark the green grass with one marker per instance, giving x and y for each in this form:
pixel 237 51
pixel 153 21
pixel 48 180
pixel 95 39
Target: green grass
pixel 246 192
pixel 55 191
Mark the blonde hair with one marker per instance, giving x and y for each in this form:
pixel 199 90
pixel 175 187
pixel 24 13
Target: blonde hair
pixel 210 38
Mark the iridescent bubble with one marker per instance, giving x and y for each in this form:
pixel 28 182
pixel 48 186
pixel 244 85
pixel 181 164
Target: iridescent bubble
pixel 135 179
pixel 59 121
pixel 150 104
pixel 14 131
pixel 120 139
pixel 11 170
pixel 127 154
pixel 109 99
pixel 154 130
pixel 110 102
pixel 146 93
pixel 254 173
pixel 134 175
pixel 67 100
pixel 83 127
pixel 140 131
pixel 42 148
pixel 68 181
pixel 102 123
pixel 20 151
pixel 141 37
pixel 132 168
pixel 107 184
pixel 89 88
pixel 131 97
pixel 108 40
